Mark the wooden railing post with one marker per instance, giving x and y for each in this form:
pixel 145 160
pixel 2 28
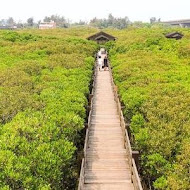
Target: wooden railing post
pixel 90 99
pixel 86 126
pixel 135 156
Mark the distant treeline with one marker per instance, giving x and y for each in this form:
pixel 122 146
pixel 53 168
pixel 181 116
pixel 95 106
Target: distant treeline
pixel 111 21
pixel 62 22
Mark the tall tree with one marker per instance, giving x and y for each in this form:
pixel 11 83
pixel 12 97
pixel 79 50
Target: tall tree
pixel 60 20
pixel 152 20
pixel 111 21
pixel 10 21
pixel 30 21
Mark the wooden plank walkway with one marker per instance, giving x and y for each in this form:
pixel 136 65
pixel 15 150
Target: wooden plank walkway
pixel 107 166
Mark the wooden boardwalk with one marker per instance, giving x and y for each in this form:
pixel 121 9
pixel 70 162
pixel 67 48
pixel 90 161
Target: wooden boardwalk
pixel 106 162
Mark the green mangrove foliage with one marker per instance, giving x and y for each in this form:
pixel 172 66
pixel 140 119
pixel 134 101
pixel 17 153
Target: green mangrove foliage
pixel 44 83
pixel 153 77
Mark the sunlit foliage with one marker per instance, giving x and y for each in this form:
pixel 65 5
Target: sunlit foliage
pixel 153 77
pixel 44 84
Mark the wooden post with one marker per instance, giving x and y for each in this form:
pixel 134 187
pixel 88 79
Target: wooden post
pixel 90 99
pixel 127 125
pixel 135 156
pixel 88 109
pixel 115 88
pixel 122 107
pixel 86 125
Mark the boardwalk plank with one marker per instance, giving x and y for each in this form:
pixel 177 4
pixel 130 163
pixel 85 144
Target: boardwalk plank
pixel 107 165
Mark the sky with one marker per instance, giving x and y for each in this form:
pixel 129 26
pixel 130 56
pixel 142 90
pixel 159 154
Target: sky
pixel 75 10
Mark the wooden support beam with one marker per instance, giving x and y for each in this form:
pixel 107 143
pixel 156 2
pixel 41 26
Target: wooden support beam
pixel 127 125
pixel 90 98
pixel 86 125
pixel 122 107
pixel 115 88
pixel 135 156
pixel 88 108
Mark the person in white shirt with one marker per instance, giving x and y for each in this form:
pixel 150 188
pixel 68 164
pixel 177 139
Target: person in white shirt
pixel 99 53
pixel 99 63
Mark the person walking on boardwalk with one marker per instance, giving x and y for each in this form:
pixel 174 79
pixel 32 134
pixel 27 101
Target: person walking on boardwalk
pixel 105 63
pixel 99 53
pixel 100 63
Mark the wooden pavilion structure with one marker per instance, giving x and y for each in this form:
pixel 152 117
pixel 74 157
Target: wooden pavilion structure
pixel 102 37
pixel 174 35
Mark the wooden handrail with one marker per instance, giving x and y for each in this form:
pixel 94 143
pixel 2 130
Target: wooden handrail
pixel 81 179
pixel 136 180
pixel 128 149
pixel 85 145
pixel 134 172
pixel 84 161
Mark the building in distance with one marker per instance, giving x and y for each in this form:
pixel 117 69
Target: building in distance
pixel 180 23
pixel 8 27
pixel 47 25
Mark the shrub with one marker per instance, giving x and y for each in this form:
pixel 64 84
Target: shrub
pixel 44 85
pixel 152 76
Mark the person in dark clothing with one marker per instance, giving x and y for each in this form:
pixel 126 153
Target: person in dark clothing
pixel 105 63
